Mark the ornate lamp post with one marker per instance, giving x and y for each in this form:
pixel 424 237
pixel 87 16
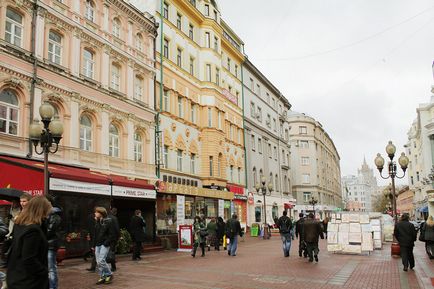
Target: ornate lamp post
pixel 313 201
pixel 47 135
pixel 262 190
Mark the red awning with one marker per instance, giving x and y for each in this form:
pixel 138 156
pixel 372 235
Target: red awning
pixel 288 206
pixel 236 189
pixel 133 183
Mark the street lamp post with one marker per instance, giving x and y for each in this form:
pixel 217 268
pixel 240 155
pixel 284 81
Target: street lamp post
pixel 47 135
pixel 262 190
pixel 313 202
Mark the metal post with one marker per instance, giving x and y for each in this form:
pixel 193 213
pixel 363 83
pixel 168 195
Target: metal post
pixel 395 212
pixel 46 188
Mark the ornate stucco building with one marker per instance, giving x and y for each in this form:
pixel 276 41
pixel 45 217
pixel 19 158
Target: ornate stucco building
pixel 94 62
pixel 317 160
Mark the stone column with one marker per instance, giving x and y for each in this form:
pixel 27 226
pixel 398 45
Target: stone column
pixel 130 140
pixel 130 33
pixel 40 33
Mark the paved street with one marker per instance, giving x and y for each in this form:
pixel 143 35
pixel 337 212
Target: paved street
pixel 259 264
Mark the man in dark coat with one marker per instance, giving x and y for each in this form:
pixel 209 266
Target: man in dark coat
pixel 312 230
pixel 137 231
pixel 406 234
pixel 233 230
pixel 116 232
pixel 285 226
pixel 302 250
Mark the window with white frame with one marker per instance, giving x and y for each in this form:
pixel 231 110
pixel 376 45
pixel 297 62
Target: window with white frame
pixel 113 141
pixel 166 156
pixel 166 48
pixel 206 10
pixel 208 72
pixel 116 28
pixel 180 107
pixel 191 31
pixel 179 160
pixel 229 64
pixel 55 47
pixel 253 143
pixel 252 110
pixel 192 163
pixel 216 44
pixel 231 173
pixel 209 117
pixel 9 112
pixel 89 13
pixel 305 178
pixel 193 113
pixel 116 77
pixel 179 57
pixel 88 63
pixel 166 100
pixel 85 133
pixel 236 70
pixel 166 10
pixel 138 88
pixel 303 130
pixel 306 197
pixel 207 40
pixel 305 161
pixel 178 21
pixel 192 65
pixel 14 27
pixel 138 147
pixel 304 144
pixel 217 76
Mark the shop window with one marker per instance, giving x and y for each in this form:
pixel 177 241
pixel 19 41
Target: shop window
pixel 274 212
pixel 211 208
pixel 200 208
pixel 55 47
pixel 189 207
pixel 170 179
pixel 258 213
pixel 166 214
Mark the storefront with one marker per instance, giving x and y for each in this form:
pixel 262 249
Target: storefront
pixel 179 204
pixel 239 203
pixel 77 191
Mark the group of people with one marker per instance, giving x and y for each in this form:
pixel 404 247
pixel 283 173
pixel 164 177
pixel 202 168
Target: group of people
pixel 307 231
pixel 212 234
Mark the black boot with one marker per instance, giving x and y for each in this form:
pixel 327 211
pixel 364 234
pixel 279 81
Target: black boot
pixel 203 250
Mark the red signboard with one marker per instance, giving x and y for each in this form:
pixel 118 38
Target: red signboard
pixel 185 238
pixel 22 178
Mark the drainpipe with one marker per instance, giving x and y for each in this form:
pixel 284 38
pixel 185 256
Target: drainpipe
pixel 244 126
pixel 157 117
pixel 35 70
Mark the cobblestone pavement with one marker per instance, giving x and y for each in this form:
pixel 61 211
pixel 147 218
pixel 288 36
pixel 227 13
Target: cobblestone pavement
pixel 259 264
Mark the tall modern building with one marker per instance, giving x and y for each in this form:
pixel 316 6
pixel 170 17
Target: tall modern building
pixel 315 164
pixel 267 145
pixel 420 150
pixel 357 191
pixel 93 61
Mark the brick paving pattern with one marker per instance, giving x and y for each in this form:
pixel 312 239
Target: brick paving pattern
pixel 259 264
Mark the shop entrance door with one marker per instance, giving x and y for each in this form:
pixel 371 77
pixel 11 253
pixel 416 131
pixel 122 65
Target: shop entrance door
pixel 126 208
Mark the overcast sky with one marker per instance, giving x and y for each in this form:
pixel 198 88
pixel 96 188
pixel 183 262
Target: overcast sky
pixel 360 67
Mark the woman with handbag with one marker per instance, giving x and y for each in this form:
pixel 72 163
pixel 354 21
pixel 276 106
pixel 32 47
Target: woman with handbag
pixel 199 234
pixel 427 236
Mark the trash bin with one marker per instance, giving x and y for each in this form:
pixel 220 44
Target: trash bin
pixel 254 230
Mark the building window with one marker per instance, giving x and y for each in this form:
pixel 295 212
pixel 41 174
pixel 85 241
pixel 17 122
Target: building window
pixel 207 40
pixel 138 88
pixel 209 117
pixel 208 72
pixel 219 165
pixel 85 133
pixel 219 120
pixel 179 57
pixel 259 114
pixel 179 160
pixel 14 27
pixel 305 178
pixel 306 197
pixel 113 141
pixel 166 48
pixel 206 10
pixel 258 89
pixel 217 76
pixel 166 156
pixel 260 145
pixel 276 183
pixel 88 63
pixel 166 100
pixel 229 64
pixel 89 11
pixel 193 2
pixel 236 70
pixel 139 42
pixel 180 107
pixel 231 173
pixel 239 175
pixel 275 153
pixel 304 144
pixel 55 47
pixel 192 163
pixel 210 166
pixel 303 130
pixel 178 21
pixel 231 132
pixel 138 147
pixel 166 10
pixel 269 151
pixel 255 177
pixel 216 44
pixel 8 112
pixel 253 143
pixel 116 29
pixel 252 110
pixel 191 31
pixel 304 161
pixel 116 77
pixel 191 65
pixel 193 113
pixel 274 124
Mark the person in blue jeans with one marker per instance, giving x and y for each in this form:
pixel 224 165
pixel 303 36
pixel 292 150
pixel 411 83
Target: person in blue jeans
pixel 104 236
pixel 233 230
pixel 285 227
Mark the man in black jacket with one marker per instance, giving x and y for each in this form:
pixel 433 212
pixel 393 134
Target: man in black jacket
pixel 116 232
pixel 299 234
pixel 233 230
pixel 104 237
pixel 406 234
pixel 285 227
pixel 312 231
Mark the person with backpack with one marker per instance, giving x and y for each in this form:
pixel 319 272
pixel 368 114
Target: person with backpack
pixel 233 230
pixel 285 226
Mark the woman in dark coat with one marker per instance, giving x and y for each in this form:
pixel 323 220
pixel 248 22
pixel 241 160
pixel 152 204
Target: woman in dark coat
pixel 27 261
pixel 427 231
pixel 199 239
pixel 137 231
pixel 221 228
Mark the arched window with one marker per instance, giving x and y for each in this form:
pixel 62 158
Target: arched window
pixel 138 87
pixel 255 178
pixel 138 147
pixel 285 183
pixel 271 178
pixel 276 183
pixel 139 42
pixel 14 27
pixel 88 63
pixel 55 47
pixel 116 28
pixel 89 11
pixel 85 133
pixel 116 77
pixel 231 170
pixel 261 176
pixel 219 165
pixel 113 141
pixel 8 112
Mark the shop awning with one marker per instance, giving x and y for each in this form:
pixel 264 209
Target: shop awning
pixel 69 178
pixel 288 206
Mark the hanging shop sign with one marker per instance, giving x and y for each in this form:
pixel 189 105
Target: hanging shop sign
pixel 134 192
pixel 171 188
pixel 78 187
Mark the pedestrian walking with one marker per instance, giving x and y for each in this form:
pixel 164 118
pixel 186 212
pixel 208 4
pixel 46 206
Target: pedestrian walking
pixel 103 239
pixel 312 231
pixel 3 232
pixel 212 234
pixel 299 225
pixel 427 236
pixel 221 228
pixel 406 234
pixel 233 230
pixel 117 234
pixel 199 235
pixel 325 223
pixel 7 242
pixel 53 225
pixel 137 231
pixel 27 261
pixel 285 226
